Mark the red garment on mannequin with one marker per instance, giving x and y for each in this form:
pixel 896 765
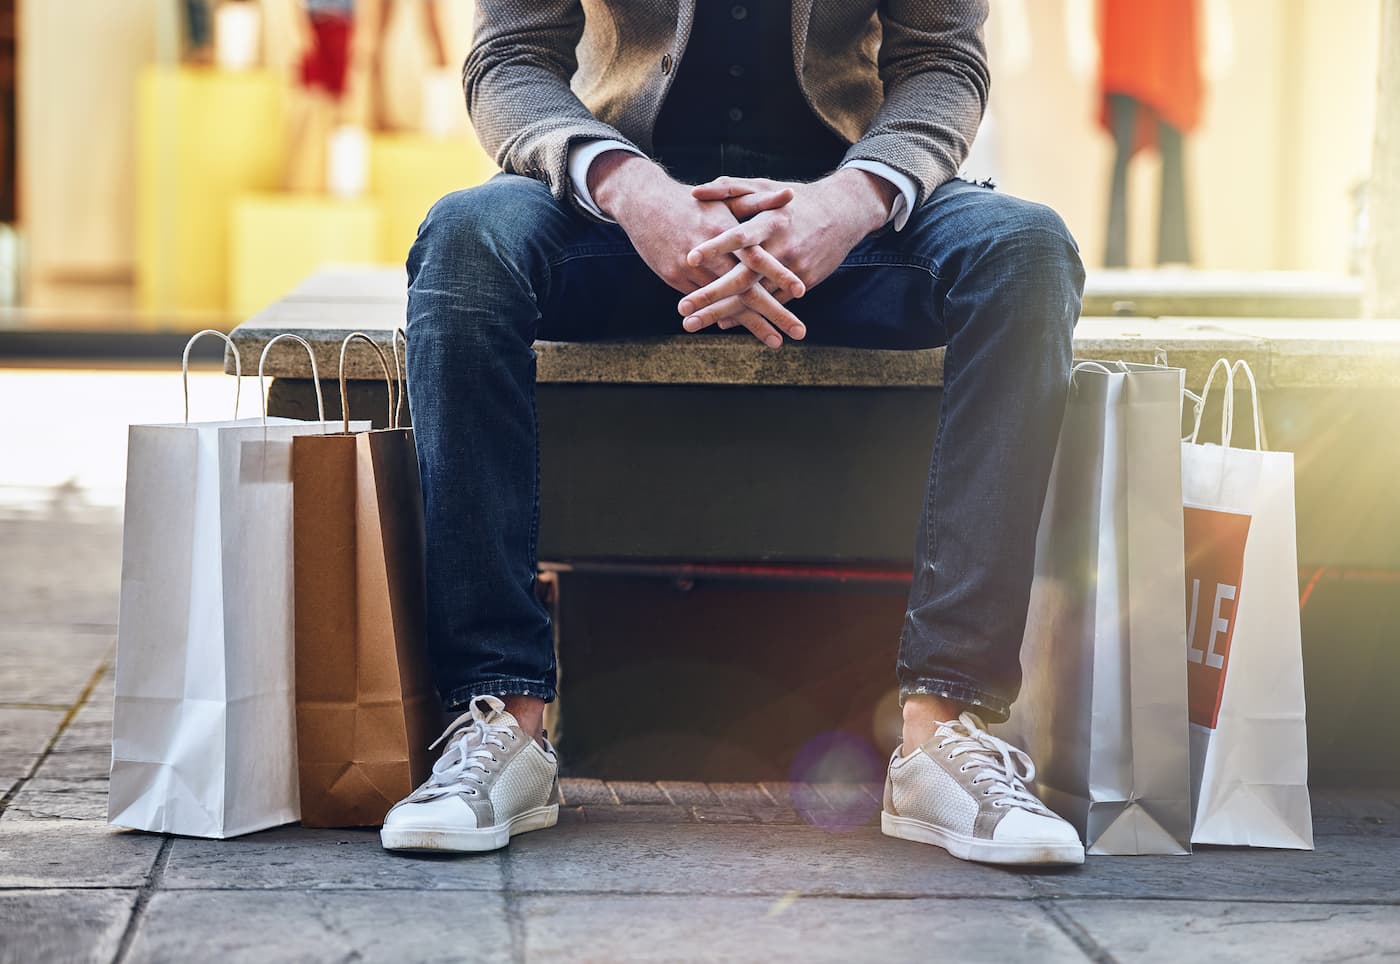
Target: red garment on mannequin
pixel 1149 50
pixel 327 62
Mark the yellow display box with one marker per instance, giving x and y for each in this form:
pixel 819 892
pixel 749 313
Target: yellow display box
pixel 203 137
pixel 409 172
pixel 276 240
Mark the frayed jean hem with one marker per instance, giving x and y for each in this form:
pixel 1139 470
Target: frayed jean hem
pixel 459 698
pixel 992 708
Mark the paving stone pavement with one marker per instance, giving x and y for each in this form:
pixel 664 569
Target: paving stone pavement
pixel 673 871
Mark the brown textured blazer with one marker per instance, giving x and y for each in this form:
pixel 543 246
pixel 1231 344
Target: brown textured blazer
pixel 904 82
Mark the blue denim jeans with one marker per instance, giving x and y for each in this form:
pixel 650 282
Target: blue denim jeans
pixel 996 279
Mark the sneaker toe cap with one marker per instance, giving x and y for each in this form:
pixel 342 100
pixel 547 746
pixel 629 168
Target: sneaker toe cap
pixel 450 812
pixel 1023 826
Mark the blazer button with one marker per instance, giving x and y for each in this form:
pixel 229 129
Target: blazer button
pixel 666 63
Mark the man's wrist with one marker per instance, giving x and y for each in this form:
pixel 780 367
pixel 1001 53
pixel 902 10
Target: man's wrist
pixel 613 175
pixel 871 197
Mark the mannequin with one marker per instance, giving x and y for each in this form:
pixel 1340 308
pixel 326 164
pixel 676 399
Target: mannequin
pixel 356 66
pixel 317 56
pixel 1154 57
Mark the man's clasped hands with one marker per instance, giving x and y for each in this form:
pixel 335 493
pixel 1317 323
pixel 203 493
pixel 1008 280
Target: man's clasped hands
pixel 739 249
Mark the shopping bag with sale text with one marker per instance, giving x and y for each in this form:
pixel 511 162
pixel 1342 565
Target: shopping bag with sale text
pixel 1244 669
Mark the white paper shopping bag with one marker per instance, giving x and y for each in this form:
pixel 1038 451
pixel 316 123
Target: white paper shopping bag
pixel 1102 708
pixel 203 734
pixel 1249 757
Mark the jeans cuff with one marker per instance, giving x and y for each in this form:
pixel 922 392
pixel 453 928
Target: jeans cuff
pixel 992 708
pixel 459 698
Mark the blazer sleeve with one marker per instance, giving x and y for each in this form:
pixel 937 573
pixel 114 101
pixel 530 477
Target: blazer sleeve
pixel 933 65
pixel 516 82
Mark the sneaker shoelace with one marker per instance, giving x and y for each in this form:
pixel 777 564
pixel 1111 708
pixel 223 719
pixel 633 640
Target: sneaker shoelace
pixel 994 762
pixel 468 759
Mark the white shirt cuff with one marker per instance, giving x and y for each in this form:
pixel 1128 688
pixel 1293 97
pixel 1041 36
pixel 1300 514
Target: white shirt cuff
pixel 581 157
pixel 903 205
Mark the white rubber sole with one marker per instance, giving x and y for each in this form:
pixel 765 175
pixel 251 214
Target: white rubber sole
pixel 438 840
pixel 981 851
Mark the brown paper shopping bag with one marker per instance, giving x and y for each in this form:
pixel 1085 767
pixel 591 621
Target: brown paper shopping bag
pixel 365 706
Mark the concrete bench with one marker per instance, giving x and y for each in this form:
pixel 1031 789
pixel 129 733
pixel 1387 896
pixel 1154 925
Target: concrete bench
pixel 686 396
pixel 645 443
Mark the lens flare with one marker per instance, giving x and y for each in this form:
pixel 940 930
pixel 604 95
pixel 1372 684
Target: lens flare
pixel 835 776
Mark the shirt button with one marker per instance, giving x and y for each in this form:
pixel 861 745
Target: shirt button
pixel 666 64
pixel 736 70
pixel 738 11
pixel 735 114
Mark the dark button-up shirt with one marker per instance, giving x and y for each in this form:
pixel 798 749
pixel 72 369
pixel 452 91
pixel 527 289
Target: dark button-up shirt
pixel 736 87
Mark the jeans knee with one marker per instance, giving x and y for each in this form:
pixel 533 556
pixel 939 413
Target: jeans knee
pixel 1038 237
pixel 1039 260
pixel 1018 261
pixel 496 218
pixel 1008 240
pixel 474 237
pixel 479 253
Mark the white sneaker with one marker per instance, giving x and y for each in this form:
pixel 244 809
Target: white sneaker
pixel 965 791
pixel 492 782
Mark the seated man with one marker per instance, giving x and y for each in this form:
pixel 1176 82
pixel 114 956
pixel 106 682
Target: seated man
pixel 821 140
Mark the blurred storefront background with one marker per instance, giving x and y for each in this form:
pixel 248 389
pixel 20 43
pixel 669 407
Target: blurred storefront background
pixel 1277 165
pixel 172 164
pixel 183 162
